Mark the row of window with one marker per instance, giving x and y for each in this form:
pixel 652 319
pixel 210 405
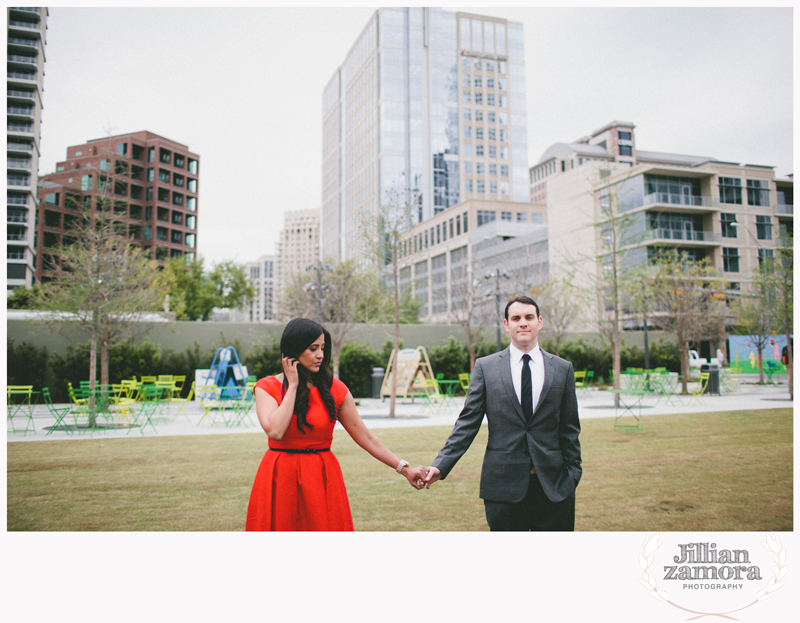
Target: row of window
pixel 162 214
pixel 730 258
pixel 477 64
pixel 491 116
pixel 763 226
pixel 491 99
pixel 480 187
pixel 480 169
pixel 490 133
pixel 477 82
pixel 491 150
pixel 489 216
pixel 456 226
pixel 730 191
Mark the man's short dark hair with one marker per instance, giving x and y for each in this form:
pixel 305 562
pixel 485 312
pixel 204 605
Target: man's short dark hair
pixel 525 300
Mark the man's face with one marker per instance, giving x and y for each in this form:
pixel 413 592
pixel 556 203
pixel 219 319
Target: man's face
pixel 523 325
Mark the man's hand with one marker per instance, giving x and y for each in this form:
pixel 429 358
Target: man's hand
pixel 433 475
pixel 416 476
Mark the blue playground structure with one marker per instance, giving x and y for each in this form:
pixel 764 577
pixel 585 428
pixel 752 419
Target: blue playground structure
pixel 226 371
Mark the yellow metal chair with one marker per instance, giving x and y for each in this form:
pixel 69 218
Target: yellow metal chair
pixel 697 394
pixel 182 402
pixel 178 382
pixel 464 379
pixel 430 392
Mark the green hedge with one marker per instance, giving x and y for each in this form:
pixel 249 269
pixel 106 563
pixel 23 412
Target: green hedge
pixel 29 365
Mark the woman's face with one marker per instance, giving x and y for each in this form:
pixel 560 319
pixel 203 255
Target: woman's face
pixel 311 358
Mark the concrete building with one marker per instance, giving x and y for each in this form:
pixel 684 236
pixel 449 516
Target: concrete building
pixel 729 213
pixel 152 181
pixel 298 246
pixel 442 256
pixel 428 104
pixel 262 274
pixel 27 30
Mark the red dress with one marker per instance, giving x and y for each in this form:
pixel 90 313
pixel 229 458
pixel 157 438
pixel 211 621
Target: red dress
pixel 301 491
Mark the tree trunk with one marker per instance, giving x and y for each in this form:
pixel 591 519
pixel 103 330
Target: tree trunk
pixel 789 363
pixel 393 381
pixel 683 350
pixel 336 363
pixel 92 376
pixel 760 364
pixel 104 362
pixel 617 363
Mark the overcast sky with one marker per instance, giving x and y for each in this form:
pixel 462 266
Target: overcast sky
pixel 243 89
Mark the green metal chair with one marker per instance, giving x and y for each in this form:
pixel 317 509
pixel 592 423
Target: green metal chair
pixel 585 384
pixel 57 412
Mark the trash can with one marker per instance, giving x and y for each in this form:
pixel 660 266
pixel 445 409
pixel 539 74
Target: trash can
pixel 377 381
pixel 712 387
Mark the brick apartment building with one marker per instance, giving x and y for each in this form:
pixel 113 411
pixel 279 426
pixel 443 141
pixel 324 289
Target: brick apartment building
pixel 152 181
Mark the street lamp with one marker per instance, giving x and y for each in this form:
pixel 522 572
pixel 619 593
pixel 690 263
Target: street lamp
pixel 496 275
pixel 317 287
pixel 747 229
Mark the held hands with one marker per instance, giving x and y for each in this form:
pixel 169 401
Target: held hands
pixel 421 477
pixel 416 476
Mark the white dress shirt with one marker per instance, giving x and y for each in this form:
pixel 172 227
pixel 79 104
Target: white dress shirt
pixel 536 365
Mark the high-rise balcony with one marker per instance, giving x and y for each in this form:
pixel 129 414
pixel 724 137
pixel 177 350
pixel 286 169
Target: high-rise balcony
pixel 681 203
pixel 20 111
pixel 17 94
pixel 28 43
pixel 16 216
pixel 20 24
pixel 784 208
pixel 23 148
pixel 26 9
pixel 22 58
pixel 678 236
pixel 21 75
pixel 18 163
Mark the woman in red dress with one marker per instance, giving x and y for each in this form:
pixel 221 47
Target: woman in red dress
pixel 299 484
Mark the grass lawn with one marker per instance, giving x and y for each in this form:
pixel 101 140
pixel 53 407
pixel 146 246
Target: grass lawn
pixel 728 471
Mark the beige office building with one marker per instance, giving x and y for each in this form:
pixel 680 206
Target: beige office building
pixel 27 31
pixel 729 213
pixel 430 104
pixel 443 255
pixel 298 246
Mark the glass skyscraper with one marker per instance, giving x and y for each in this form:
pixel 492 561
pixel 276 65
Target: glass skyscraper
pixel 430 103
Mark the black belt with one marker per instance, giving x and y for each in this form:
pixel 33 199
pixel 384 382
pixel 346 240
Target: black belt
pixel 301 451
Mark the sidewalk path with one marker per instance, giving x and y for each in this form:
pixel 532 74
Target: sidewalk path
pixel 599 404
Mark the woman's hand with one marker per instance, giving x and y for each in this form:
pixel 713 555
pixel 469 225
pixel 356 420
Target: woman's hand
pixel 290 371
pixel 416 476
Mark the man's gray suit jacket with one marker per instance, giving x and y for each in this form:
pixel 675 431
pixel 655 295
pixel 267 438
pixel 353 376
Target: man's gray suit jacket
pixel 548 443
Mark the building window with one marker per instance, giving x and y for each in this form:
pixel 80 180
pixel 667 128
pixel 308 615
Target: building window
pixel 465 63
pixel 151 176
pixel 522 217
pixel 502 118
pixel 493 191
pixel 730 190
pixel 479 150
pixel 478 81
pixel 501 101
pixel 479 168
pixel 489 99
pixel 491 117
pixel 468 186
pixel 492 134
pixel 148 193
pixel 466 96
pixel 625 150
pixel 465 221
pixel 468 168
pixel 478 133
pixel 730 260
pixel 122 149
pixel 51 199
pixel 451 228
pixel 763 227
pixel 764 255
pixel 465 80
pixel 467 131
pixel 481 186
pixel 727 220
pixel 458 225
pixel 479 98
pixel 467 149
pixel 504 153
pixel 478 115
pixel 467 114
pixel 163 176
pixel 476 63
pixel 758 192
pixel 504 188
pixel 489 65
pixel 489 83
pixel 503 170
pixel 624 136
pixel 492 151
pixel 86 182
pixel 492 169
pixel 505 216
pixel 486 216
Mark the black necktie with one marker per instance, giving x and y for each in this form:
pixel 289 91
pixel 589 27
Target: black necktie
pixel 527 392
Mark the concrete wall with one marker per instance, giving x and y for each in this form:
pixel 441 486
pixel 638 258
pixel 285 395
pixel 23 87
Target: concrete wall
pixel 182 335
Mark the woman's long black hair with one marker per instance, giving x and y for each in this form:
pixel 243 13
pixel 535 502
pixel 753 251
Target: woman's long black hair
pixel 298 335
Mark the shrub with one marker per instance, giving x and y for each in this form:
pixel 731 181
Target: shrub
pixel 27 365
pixel 355 368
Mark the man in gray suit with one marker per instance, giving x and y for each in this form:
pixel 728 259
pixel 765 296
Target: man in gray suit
pixel 532 462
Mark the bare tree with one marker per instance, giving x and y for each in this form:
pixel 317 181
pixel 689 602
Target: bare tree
pixel 383 236
pixel 336 306
pixel 468 308
pixel 687 298
pixel 558 299
pixel 100 283
pixel 778 276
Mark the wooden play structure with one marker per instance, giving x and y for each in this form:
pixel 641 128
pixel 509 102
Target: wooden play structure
pixel 411 364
